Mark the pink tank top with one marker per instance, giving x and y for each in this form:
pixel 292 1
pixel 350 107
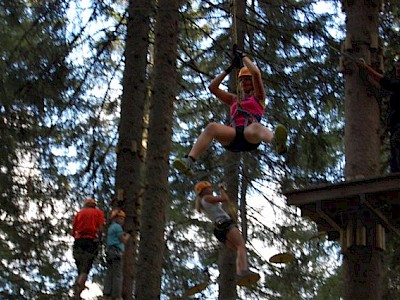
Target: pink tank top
pixel 249 104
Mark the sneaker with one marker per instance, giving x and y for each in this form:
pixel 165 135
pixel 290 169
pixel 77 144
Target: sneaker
pixel 280 137
pixel 247 278
pixel 184 165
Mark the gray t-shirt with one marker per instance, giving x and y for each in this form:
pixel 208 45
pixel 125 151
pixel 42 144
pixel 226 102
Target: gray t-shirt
pixel 214 211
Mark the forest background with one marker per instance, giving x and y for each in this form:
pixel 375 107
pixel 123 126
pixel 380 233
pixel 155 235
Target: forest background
pixel 94 104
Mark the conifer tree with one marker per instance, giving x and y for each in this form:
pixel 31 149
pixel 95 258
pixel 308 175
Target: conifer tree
pixel 131 141
pixel 35 77
pixel 163 93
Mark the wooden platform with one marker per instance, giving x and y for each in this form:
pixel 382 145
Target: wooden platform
pixel 332 206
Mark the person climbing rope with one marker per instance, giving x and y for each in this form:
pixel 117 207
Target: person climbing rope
pixel 116 240
pixel 87 229
pixel 392 84
pixel 225 228
pixel 244 132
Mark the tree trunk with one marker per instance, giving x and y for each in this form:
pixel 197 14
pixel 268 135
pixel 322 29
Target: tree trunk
pixel 243 196
pixel 362 128
pixel 363 273
pixel 227 257
pixel 151 247
pixel 130 151
pixel 362 264
pixel 227 271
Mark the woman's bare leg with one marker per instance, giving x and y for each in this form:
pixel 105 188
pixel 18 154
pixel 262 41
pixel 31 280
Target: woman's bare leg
pixel 233 247
pixel 256 133
pixel 235 241
pixel 222 133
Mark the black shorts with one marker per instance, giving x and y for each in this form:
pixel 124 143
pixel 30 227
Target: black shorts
pixel 84 252
pixel 239 143
pixel 222 229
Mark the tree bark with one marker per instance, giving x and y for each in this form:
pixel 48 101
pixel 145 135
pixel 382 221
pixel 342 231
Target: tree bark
pixel 151 247
pixel 227 271
pixel 227 257
pixel 363 273
pixel 362 128
pixel 362 263
pixel 130 152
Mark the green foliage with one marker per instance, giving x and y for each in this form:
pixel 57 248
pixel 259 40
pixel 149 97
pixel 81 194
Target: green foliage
pixel 288 42
pixel 34 79
pixel 59 101
pixel 391 263
pixel 314 263
pixel 47 127
pixel 332 289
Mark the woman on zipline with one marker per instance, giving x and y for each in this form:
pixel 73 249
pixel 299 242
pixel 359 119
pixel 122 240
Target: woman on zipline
pixel 225 228
pixel 244 133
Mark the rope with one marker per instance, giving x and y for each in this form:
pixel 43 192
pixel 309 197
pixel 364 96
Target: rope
pixel 234 21
pixel 362 73
pixel 234 47
pixel 232 211
pixel 345 54
pixel 238 91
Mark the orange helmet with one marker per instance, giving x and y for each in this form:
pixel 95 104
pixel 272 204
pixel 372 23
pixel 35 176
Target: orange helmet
pixel 117 213
pixel 200 186
pixel 89 202
pixel 244 72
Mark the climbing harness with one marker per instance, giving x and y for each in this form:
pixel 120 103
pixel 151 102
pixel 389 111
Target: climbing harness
pixel 250 118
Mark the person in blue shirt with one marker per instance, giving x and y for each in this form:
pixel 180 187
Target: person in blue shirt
pixel 116 240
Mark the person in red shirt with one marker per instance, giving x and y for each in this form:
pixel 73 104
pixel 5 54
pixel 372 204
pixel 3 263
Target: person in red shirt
pixel 87 228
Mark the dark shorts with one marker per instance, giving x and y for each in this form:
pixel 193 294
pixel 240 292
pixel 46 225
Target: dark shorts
pixel 84 252
pixel 222 229
pixel 239 143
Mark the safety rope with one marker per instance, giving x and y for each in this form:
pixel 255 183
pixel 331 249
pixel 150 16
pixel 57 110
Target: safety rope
pixel 234 47
pixel 232 210
pixel 234 21
pixel 239 95
pixel 362 73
